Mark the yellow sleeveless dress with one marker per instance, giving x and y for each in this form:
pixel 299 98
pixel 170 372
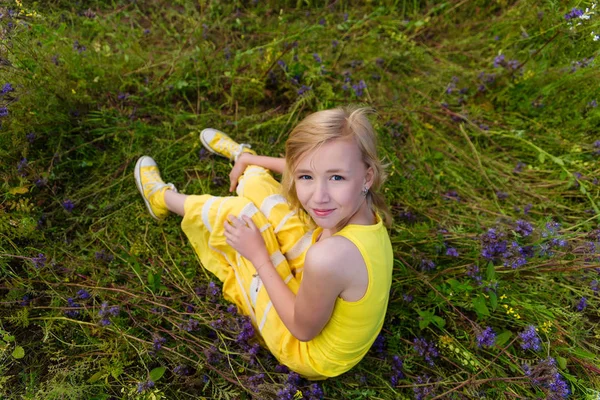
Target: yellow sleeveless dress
pixel 353 326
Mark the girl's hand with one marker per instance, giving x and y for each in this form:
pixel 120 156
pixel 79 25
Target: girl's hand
pixel 245 238
pixel 238 169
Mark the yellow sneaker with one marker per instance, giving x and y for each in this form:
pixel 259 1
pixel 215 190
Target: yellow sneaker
pixel 152 187
pixel 220 143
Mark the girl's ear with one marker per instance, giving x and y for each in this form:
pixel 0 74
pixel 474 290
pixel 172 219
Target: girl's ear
pixel 369 177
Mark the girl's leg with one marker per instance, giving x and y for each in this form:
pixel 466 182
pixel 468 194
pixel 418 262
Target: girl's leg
pixel 175 202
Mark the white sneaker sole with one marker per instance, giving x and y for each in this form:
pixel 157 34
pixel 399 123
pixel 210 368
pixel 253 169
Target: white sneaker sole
pixel 138 183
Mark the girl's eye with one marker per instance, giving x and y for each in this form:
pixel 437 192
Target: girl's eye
pixel 304 177
pixel 337 178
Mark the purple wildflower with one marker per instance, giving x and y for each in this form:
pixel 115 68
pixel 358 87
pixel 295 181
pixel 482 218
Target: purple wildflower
pixel 83 294
pixel 359 88
pixel 22 166
pixel 452 252
pixel 213 291
pixel 72 304
pixel 25 300
pixel 486 338
pixel 282 64
pixel 582 304
pixel 524 228
pixel 425 349
pixel 190 326
pixel 143 386
pixel 304 89
pixel 545 374
pixel 322 21
pixel 122 96
pixel 499 61
pixel 474 273
pixel 397 373
pixel 593 104
pixel 334 43
pixel 574 13
pixel 79 47
pixel 530 339
pixel 501 195
pixel 421 388
pixel 427 265
pixel 157 342
pixel 68 205
pixel 7 88
pixel 452 195
pixel 317 58
pixel 3 112
pixel 314 392
pixel 256 380
pixel 246 333
pixel 182 370
pixel 30 137
pixel 39 261
pixel 379 346
pixel 407 297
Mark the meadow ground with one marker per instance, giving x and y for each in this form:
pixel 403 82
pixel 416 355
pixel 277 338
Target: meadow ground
pixel 487 115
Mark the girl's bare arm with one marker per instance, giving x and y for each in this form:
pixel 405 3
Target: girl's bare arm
pixel 245 159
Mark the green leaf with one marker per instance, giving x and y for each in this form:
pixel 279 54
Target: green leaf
pixel 503 338
pixel 95 377
pixel 490 273
pixel 439 321
pixel 541 158
pixel 582 189
pixel 480 307
pixel 562 362
pixel 157 373
pixel 18 352
pixel 150 279
pixel 493 300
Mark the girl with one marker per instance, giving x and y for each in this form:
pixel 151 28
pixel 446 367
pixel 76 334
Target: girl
pixel 312 269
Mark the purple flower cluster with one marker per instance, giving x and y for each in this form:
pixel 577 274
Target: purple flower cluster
pixel 487 338
pixel 474 273
pixel 359 88
pixel 255 381
pixel 246 333
pixel 397 373
pixel 103 256
pixel 545 374
pixel 72 304
pixel 143 386
pixel 213 291
pixel 452 252
pixel 7 88
pixel 427 265
pixel 500 61
pixel 190 326
pixel 79 47
pixel 68 205
pixel 303 89
pixel 291 387
pixel 519 167
pixel 3 112
pixel 523 228
pixel 530 339
pixel 314 392
pixel 83 294
pixel 422 388
pixel 39 261
pixel 157 342
pixel 582 304
pixel 106 312
pixel 182 370
pixel 212 354
pixel 22 166
pixel 574 13
pixel 425 349
pixel 379 346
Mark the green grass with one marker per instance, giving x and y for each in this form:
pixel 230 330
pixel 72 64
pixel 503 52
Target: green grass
pixel 154 73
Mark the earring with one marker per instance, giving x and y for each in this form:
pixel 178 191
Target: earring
pixel 365 191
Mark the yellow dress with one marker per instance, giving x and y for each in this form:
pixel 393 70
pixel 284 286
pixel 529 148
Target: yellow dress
pixel 353 326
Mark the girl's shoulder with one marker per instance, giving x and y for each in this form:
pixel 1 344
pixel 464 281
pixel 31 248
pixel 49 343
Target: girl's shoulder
pixel 333 251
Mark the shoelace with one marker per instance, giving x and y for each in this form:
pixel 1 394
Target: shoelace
pixel 225 145
pixel 155 182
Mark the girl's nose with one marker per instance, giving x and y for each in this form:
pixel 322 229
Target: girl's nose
pixel 321 194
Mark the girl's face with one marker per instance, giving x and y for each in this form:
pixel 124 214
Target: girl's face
pixel 329 183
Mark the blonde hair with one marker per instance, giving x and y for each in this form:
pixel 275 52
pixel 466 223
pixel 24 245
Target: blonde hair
pixel 324 126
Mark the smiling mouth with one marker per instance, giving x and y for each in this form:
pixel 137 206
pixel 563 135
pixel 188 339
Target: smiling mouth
pixel 323 213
